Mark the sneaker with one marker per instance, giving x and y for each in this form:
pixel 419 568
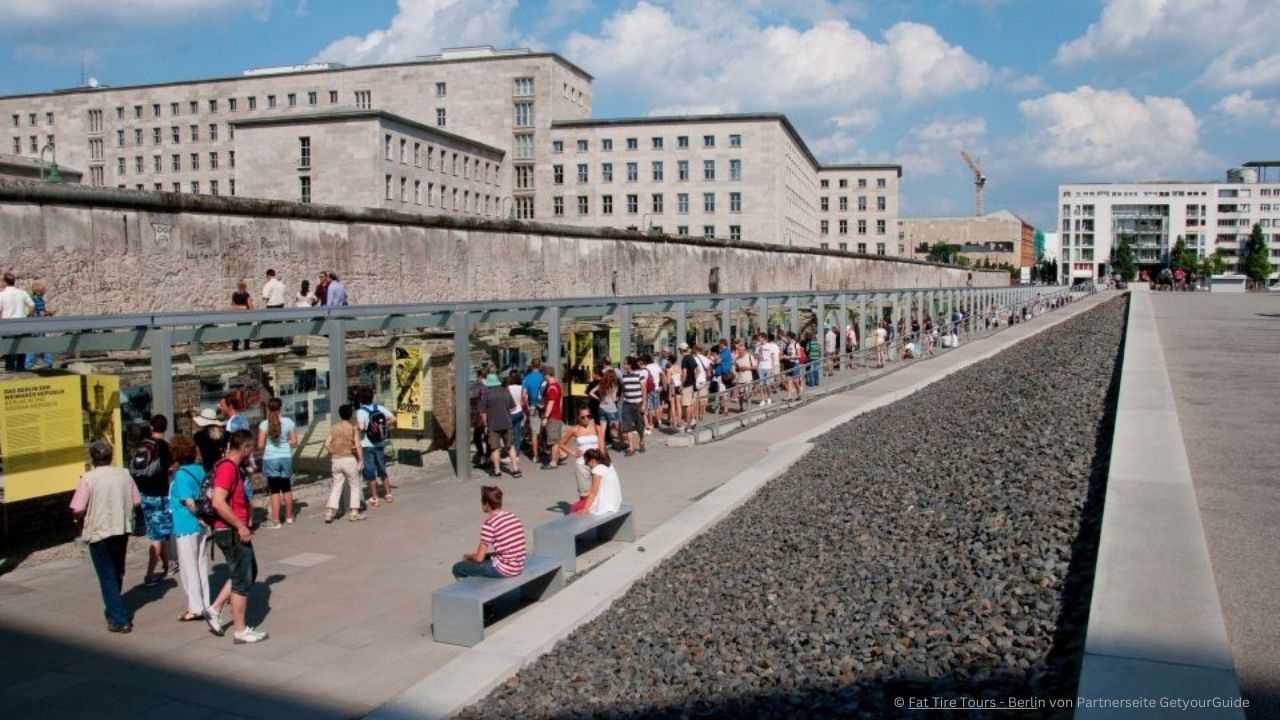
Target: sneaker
pixel 328 515
pixel 373 503
pixel 288 521
pixel 355 517
pixel 249 635
pixel 390 498
pixel 124 629
pixel 214 621
pixel 152 580
pixel 516 474
pixel 274 526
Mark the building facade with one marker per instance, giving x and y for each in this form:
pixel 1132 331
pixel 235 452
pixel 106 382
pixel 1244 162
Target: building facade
pixel 1208 216
pixel 1000 237
pixel 858 209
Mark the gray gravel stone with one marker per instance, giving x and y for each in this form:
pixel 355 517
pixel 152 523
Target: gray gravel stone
pixel 940 546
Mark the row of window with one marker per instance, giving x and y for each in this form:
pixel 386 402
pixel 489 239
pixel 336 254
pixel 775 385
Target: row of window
pixel 862 247
pixel 824 203
pixel 31 119
pixel 470 166
pixel 174 136
pixel 176 187
pixel 657 171
pixel 175 163
pixel 657 204
pixel 34 144
pixel 445 198
pixel 655 143
pixel 842 228
pixel 363 99
pixel 844 183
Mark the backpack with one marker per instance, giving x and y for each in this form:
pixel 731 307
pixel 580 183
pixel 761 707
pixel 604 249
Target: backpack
pixel 649 384
pixel 204 497
pixel 802 355
pixel 375 429
pixel 145 463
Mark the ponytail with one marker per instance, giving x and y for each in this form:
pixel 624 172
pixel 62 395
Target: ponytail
pixel 273 420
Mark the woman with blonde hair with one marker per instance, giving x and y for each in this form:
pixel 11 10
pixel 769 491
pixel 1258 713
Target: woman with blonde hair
pixel 276 438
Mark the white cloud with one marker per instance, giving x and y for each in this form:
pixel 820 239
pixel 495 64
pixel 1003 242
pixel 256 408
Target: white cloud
pixel 934 148
pixel 1236 37
pixel 559 13
pixel 1245 109
pixel 721 53
pixel 422 27
pixel 858 120
pixel 704 109
pixel 1110 134
pixel 1026 83
pixel 23 17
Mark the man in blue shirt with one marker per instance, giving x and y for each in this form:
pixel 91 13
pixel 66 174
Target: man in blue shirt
pixel 532 385
pixel 337 294
pixel 375 423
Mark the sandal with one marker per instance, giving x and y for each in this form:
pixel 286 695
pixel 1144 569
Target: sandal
pixel 191 617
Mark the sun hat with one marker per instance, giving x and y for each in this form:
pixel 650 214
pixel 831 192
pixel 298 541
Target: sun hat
pixel 684 346
pixel 207 417
pixel 492 380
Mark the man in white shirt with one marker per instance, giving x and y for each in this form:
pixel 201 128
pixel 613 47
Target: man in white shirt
pixel 829 348
pixel 273 294
pixel 15 303
pixel 767 355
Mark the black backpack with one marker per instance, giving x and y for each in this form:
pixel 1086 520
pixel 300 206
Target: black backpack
pixel 376 429
pixel 145 463
pixel 204 497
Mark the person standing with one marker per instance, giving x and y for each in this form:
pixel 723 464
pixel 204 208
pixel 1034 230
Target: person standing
pixel 150 466
pixel 232 535
pixel 814 349
pixel 346 462
pixel 15 304
pixel 587 434
pixel 211 438
pixel 276 439
pixel 533 384
pixel 496 405
pixel 520 412
pixel 273 292
pixel 190 532
pixel 322 289
pixel 475 393
pixel 830 349
pixel 103 503
pixel 39 308
pixel 375 422
pixel 502 549
pixel 305 298
pixel 633 405
pixel 552 409
pixel 336 294
pixel 242 301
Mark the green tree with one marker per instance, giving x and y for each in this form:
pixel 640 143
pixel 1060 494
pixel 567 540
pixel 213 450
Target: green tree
pixel 1182 257
pixel 1125 264
pixel 1256 264
pixel 1215 264
pixel 942 252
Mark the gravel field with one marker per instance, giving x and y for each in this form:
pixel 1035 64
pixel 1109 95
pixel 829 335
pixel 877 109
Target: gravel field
pixel 939 547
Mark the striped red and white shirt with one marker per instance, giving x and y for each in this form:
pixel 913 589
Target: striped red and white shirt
pixel 504 532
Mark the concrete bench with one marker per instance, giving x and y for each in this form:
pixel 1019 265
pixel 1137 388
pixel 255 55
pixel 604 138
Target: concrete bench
pixel 457 610
pixel 558 538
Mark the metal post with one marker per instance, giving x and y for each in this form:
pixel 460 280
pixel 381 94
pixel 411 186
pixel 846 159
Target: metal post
pixel 462 394
pixel 553 338
pixel 862 326
pixel 682 333
pixel 337 368
pixel 820 319
pixel 843 332
pixel 726 319
pixel 764 315
pixel 624 334
pixel 162 376
pixel 794 302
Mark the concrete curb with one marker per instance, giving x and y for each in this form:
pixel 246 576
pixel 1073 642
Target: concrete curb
pixel 472 675
pixel 1156 631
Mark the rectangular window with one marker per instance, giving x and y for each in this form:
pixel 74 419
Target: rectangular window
pixel 606 172
pixel 231 160
pixel 557 174
pixel 606 204
pixel 137 136
pixel 95 148
pixel 879 248
pixel 735 141
pixel 213 187
pixel 557 146
pixel 633 204
pixel 312 98
pixel 682 142
pixel 657 170
pixel 195 133
pixel 606 144
pixel 557 206
pixel 253 103
pixel 417 154
pixel 708 169
pixel 442 118
pixel 657 143
pixel 682 203
pixel 404 151
pixel 137 164
pixel 708 202
pixel 231 104
pixel 292 99
pixel 862 227
pixel 880 228
pixel 213 132
pixel 824 227
pixel 633 143
pixel 304 152
pixel 633 172
pixel 176 162
pixel 524 114
pixel 735 233
pixel 137 112
pixel 523 87
pixel 844 183
pixel 524 208
pixel 844 226
pixel 735 202
pixel 194 161
pixel 213 161
pixel 656 202
pixel 121 166
pixel 582 173
pixel 120 138
pixel 193 107
pixel 862 248
pixel 844 203
pixel 880 203
pixel 364 99
pixel 271 100
pixel 524 177
pixel 523 148
pixel 155 136
pixel 844 246
pixel 824 184
pixel 735 169
pixel 386 186
pixel 708 141
pixel 682 230
pixel 386 147
pixel 441 89
pixel 862 183
pixel 95 121
pixel 824 204
pixel 195 187
pixel 880 182
pixel 417 192
pixel 709 231
pixel 582 146
pixel 333 100
pixel 584 204
pixel 682 169
pixel 155 110
pixel 213 106
pixel 404 189
pixel 862 203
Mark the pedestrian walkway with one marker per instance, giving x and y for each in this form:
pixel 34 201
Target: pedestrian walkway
pixel 348 604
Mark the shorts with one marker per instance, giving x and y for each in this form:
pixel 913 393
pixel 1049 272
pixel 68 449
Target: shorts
pixel 155 510
pixel 686 395
pixel 704 392
pixel 277 484
pixel 632 418
pixel 795 370
pixel 375 463
pixel 499 440
pixel 582 474
pixel 606 416
pixel 277 468
pixel 763 373
pixel 535 420
pixel 726 381
pixel 554 429
pixel 242 566
pixel 655 401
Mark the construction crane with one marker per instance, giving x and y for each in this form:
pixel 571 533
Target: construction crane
pixel 979 181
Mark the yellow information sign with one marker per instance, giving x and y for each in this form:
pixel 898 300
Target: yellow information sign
pixel 409 388
pixel 102 408
pixel 41 436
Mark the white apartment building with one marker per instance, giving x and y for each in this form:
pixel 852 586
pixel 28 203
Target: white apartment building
pixel 733 176
pixel 1153 215
pixel 367 158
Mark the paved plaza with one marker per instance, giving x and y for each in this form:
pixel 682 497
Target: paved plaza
pixel 347 605
pixel 1222 353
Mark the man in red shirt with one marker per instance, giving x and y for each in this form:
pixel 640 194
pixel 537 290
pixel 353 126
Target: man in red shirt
pixel 552 407
pixel 501 552
pixel 231 533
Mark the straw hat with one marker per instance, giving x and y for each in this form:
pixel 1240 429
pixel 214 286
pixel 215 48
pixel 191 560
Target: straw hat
pixel 207 417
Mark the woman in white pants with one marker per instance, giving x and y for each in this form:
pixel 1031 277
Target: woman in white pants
pixel 191 534
pixel 343 446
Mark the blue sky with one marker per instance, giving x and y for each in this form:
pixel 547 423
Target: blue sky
pixel 1043 91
